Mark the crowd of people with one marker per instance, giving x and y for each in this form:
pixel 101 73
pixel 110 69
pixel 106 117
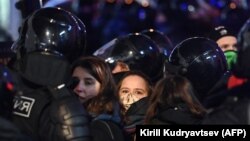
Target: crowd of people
pixel 53 89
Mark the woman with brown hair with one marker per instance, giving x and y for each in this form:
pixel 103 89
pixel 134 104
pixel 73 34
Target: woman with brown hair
pixel 96 88
pixel 96 91
pixel 134 88
pixel 173 102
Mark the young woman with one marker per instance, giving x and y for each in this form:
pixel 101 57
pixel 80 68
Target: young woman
pixel 133 90
pixel 173 102
pixel 96 91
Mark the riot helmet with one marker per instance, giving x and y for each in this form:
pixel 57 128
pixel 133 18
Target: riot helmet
pixel 200 60
pixel 138 51
pixel 163 42
pixel 52 31
pixel 242 66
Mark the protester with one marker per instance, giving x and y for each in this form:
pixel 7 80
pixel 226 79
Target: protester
pixel 234 107
pixel 227 41
pixel 174 102
pixel 96 90
pixel 134 89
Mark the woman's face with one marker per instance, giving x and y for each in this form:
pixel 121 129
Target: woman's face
pixel 133 88
pixel 88 87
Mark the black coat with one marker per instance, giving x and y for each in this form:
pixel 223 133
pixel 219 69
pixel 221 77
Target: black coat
pixel 177 115
pixel 41 108
pixel 135 115
pixel 234 109
pixel 9 132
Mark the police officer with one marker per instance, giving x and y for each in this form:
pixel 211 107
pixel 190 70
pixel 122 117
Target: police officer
pixel 203 63
pixel 163 42
pixel 135 51
pixel 8 131
pixel 50 39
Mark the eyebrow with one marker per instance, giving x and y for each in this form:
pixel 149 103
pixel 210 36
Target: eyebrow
pixel 89 79
pixel 86 78
pixel 138 89
pixel 122 88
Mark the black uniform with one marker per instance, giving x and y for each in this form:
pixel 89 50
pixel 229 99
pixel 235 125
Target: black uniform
pixel 8 131
pixel 46 109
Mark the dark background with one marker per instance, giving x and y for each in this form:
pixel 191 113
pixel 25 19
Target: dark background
pixel 178 19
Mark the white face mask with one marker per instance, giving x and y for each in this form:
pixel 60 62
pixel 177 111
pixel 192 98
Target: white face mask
pixel 133 88
pixel 128 99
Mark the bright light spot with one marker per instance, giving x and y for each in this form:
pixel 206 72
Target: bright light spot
pixel 144 3
pixel 47 33
pixel 61 33
pixel 191 8
pixel 232 5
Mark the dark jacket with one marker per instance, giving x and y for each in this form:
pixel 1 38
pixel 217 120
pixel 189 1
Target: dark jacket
pixel 9 132
pixel 233 109
pixel 107 127
pixel 176 115
pixel 135 115
pixel 41 108
pixel 106 130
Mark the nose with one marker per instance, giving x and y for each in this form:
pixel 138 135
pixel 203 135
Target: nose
pixel 79 87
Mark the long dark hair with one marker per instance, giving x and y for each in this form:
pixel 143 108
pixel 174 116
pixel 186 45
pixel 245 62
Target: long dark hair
pixel 171 90
pixel 99 69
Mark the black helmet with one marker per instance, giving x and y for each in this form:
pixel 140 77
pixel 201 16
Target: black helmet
pixel 242 66
pixel 202 61
pixel 136 50
pixel 7 92
pixel 163 42
pixel 52 31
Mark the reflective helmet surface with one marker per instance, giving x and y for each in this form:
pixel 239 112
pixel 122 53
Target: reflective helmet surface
pixel 201 61
pixel 163 42
pixel 52 31
pixel 242 66
pixel 136 50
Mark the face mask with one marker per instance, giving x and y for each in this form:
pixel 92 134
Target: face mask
pixel 231 57
pixel 128 99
